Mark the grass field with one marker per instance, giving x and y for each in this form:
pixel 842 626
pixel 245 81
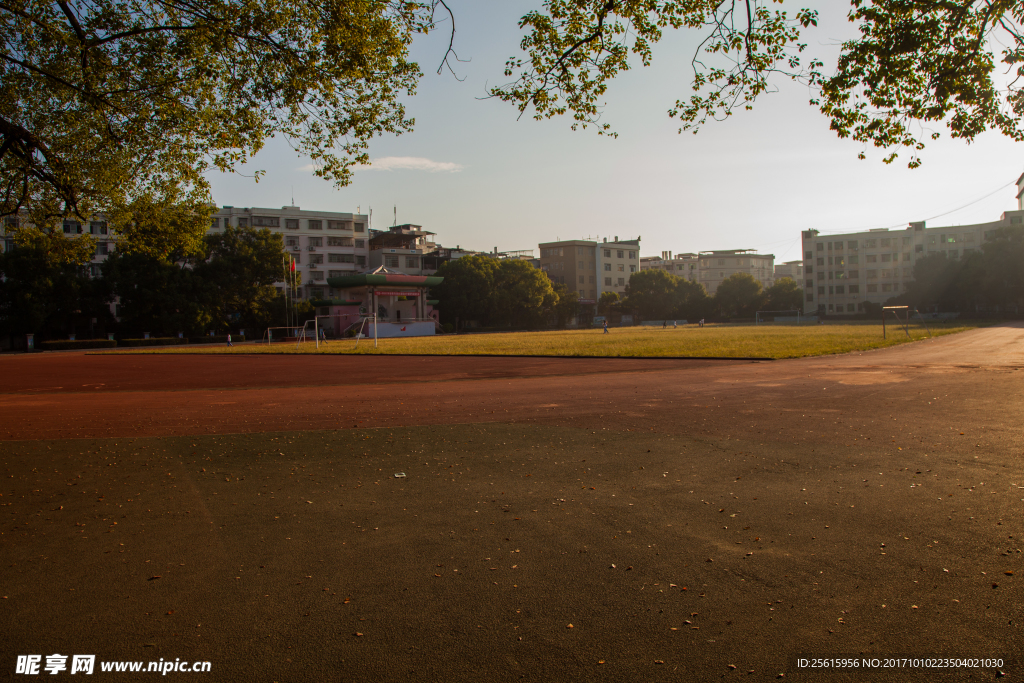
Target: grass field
pixel 731 341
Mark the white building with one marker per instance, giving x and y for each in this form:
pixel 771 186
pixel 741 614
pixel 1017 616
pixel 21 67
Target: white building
pixel 791 269
pixel 682 265
pixel 324 244
pixel 717 266
pixel 843 271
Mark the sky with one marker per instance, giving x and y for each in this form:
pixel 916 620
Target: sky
pixel 481 177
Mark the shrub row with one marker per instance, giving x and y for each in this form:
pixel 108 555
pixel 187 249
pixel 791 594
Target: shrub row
pixel 218 339
pixel 66 344
pixel 152 341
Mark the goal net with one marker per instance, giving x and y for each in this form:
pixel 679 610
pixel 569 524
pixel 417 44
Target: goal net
pixel 281 334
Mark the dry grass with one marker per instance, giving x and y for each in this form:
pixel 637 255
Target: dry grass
pixel 727 341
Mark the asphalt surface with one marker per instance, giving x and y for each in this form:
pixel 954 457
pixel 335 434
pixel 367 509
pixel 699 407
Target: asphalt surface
pixel 597 520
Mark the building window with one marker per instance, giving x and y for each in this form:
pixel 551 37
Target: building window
pixel 854 289
pixel 412 261
pixel 854 274
pixel 632 255
pixel 607 282
pixel 316 241
pixel 98 227
pixel 316 258
pixel 918 248
pixel 360 244
pixel 821 290
pixel 608 266
pixel 316 275
pixel 838 246
pixel 886 258
pixel 621 268
pixel 840 289
pixel 72 228
pixel 340 258
pixel 622 282
pixel 872 289
pixel 266 222
pixel 360 260
pixel 390 261
pixel 214 223
pixel 871 258
pixel 339 241
pixel 810 297
pixel 854 260
pixel 581 282
pixel 821 246
pixel 338 225
pixel 360 227
pixel 618 253
pixel 243 222
pixel 102 249
pixel 632 269
pixel 852 244
pixel 293 224
pixel 808 255
pixel 810 284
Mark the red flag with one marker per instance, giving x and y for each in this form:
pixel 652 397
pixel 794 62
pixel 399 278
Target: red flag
pixel 403 329
pixel 293 264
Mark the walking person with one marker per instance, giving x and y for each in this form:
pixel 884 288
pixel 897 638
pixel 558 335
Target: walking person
pixel 229 339
pixel 606 327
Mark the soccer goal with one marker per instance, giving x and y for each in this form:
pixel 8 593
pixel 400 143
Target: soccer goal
pixel 761 316
pixel 281 334
pixel 365 325
pixel 904 321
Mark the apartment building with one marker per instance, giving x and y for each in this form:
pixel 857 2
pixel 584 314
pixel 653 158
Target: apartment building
pixel 714 267
pixel 590 267
pixel 324 244
pixel 791 269
pixel 843 271
pixel 681 265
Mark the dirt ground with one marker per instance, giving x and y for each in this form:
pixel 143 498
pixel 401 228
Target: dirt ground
pixel 559 519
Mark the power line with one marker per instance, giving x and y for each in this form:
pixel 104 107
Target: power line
pixel 940 215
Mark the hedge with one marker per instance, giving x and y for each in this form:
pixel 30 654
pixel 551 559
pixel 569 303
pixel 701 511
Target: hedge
pixel 218 339
pixel 152 341
pixel 66 344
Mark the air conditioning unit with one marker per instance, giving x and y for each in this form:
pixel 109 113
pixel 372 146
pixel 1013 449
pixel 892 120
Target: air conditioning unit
pixel 296 247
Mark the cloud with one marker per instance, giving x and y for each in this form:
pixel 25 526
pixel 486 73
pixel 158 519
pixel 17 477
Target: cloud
pixel 413 164
pixel 308 168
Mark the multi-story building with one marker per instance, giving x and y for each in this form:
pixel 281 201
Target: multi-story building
pixel 323 244
pixel 716 266
pixel 682 265
pixel 589 267
pixel 402 249
pixel 843 271
pixel 794 270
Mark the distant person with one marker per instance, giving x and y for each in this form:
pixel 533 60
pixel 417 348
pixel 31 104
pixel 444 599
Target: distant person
pixel 674 326
pixel 664 324
pixel 229 339
pixel 606 327
pixel 323 335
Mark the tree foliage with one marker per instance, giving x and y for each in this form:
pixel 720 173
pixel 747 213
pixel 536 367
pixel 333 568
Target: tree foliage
pixel 509 293
pixel 46 296
pixel 988 280
pixel 107 103
pixel 739 295
pixel 660 295
pixel 239 272
pixel 784 295
pixel 568 305
pixel 915 64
